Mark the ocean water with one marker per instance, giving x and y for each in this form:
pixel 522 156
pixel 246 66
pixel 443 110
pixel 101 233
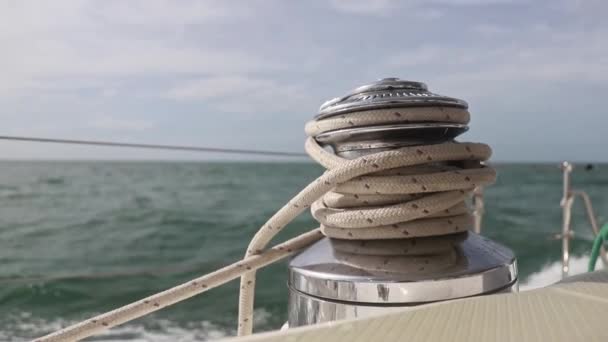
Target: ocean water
pixel 81 238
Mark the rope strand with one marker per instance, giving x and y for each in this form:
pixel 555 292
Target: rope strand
pixel 181 292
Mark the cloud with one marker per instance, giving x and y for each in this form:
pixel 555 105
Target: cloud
pixel 44 43
pixel 241 94
pixel 430 9
pixel 26 17
pixel 491 30
pixel 474 2
pixel 524 54
pixel 107 122
pixel 363 6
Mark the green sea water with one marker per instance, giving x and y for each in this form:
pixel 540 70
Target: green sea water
pixel 81 238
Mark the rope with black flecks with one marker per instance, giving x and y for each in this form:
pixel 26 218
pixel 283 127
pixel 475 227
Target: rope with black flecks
pixel 404 193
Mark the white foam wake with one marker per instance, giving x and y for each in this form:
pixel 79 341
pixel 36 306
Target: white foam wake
pixel 552 273
pixel 23 327
pixel 165 331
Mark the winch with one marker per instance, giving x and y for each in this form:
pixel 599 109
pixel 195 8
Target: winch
pixel 345 276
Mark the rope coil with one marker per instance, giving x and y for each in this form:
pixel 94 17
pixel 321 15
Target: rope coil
pixel 410 192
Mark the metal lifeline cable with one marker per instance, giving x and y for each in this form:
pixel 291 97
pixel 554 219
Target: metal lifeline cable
pixel 387 195
pixel 153 146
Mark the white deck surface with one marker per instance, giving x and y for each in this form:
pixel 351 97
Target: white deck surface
pixel 575 310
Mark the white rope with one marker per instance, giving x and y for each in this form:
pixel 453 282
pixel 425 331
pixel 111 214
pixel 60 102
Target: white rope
pixel 181 292
pixel 395 194
pixel 380 205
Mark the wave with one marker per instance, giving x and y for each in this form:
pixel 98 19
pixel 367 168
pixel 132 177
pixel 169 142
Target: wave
pixel 164 331
pixel 23 327
pixel 52 181
pixel 552 273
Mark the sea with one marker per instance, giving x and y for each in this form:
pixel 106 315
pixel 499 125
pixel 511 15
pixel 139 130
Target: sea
pixel 81 238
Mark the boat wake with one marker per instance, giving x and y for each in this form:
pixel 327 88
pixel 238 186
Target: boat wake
pixel 24 327
pixel 552 273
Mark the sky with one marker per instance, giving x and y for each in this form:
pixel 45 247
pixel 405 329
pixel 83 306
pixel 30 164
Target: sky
pixel 249 74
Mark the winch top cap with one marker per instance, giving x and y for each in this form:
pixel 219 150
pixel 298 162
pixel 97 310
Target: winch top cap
pixel 389 92
pixel 390 83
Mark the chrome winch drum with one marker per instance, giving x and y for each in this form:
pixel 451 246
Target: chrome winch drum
pixel 323 287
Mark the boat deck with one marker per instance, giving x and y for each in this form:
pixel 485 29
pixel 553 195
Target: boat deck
pixel 575 309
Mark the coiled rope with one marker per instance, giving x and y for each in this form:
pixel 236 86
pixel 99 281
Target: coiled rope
pixel 404 193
